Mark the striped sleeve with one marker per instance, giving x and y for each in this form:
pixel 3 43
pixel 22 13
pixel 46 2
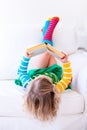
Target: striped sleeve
pixel 22 71
pixel 66 79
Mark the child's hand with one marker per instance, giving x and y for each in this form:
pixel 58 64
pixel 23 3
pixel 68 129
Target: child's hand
pixel 65 58
pixel 28 55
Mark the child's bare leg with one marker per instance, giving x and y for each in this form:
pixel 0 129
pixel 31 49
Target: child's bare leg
pixel 44 60
pixel 52 61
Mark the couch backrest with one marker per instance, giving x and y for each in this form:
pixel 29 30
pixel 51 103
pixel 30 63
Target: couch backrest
pixel 15 39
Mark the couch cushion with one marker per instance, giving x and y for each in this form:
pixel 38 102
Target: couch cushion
pixel 71 102
pixel 11 101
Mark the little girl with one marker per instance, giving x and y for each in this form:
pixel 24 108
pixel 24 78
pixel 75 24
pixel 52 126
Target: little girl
pixel 43 85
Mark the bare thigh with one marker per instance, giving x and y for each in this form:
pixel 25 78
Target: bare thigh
pixel 44 60
pixel 52 61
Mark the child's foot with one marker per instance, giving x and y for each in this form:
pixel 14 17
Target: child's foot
pixel 48 35
pixel 44 29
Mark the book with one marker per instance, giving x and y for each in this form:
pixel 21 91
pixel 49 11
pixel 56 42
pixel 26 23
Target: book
pixel 38 49
pixel 43 47
pixel 54 51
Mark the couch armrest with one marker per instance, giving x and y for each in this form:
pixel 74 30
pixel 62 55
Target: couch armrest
pixel 79 67
pixel 82 81
pixel 82 84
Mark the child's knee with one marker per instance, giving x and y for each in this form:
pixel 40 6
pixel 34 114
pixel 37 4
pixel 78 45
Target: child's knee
pixel 47 54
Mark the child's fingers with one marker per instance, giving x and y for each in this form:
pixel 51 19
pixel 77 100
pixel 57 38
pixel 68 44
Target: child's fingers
pixel 28 54
pixel 64 54
pixel 64 58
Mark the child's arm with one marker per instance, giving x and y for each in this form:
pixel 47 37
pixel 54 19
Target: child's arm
pixel 22 71
pixel 67 75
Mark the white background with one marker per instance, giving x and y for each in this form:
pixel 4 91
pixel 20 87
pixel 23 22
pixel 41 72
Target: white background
pixel 35 11
pixel 16 17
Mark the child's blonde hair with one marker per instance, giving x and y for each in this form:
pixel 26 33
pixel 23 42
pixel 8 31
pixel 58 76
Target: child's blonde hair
pixel 42 98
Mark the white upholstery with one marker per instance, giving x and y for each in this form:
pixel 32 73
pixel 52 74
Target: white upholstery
pixel 73 108
pixel 11 101
pixel 11 110
pixel 79 65
pixel 72 103
pixel 81 37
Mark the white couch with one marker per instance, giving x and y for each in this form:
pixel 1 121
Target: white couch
pixel 73 108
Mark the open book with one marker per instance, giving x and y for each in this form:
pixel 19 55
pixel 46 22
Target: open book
pixel 43 47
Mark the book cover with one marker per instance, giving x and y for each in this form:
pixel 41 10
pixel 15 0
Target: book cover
pixel 54 51
pixel 41 48
pixel 38 49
